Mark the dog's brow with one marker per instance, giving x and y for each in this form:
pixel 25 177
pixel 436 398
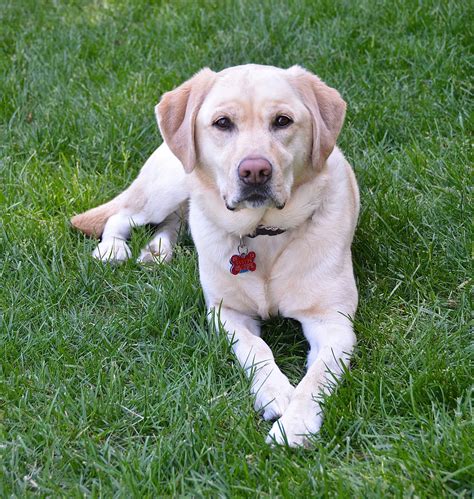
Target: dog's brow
pixel 229 111
pixel 231 108
pixel 280 107
pixel 234 109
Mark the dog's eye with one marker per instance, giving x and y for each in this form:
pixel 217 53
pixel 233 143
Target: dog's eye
pixel 223 123
pixel 282 121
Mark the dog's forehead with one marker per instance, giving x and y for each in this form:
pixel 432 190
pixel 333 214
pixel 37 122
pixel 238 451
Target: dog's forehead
pixel 252 84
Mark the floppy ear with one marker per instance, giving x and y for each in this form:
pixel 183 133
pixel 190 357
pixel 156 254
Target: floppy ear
pixel 327 109
pixel 176 114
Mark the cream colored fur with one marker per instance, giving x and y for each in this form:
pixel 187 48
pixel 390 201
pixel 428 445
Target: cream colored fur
pixel 305 273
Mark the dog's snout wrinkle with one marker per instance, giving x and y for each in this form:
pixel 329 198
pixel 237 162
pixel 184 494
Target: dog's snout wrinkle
pixel 255 170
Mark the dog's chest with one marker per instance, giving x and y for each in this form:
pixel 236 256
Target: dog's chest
pixel 262 291
pixel 259 288
pixel 281 271
pixel 267 287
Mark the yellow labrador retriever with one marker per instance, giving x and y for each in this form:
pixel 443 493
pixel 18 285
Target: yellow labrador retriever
pixel 273 205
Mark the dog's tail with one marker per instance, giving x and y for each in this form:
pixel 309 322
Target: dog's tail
pixel 92 222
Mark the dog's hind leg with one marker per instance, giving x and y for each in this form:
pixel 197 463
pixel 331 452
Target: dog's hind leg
pixel 157 192
pixel 160 247
pixel 113 247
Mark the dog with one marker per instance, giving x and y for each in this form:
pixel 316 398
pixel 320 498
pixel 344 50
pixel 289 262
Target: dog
pixel 273 206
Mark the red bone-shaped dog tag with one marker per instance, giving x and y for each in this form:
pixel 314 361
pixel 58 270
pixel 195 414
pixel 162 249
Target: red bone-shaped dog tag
pixel 242 263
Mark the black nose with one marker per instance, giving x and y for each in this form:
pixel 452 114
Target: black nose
pixel 255 171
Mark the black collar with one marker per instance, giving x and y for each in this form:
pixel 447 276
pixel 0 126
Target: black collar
pixel 263 230
pixel 270 230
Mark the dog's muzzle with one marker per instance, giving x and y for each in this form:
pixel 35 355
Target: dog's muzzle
pixel 255 189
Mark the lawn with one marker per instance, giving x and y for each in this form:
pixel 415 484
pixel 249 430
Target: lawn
pixel 111 382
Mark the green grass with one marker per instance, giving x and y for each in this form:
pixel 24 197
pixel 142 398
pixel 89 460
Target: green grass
pixel 111 382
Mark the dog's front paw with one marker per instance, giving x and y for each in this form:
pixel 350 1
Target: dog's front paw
pixel 112 250
pixel 273 396
pixel 294 428
pixel 156 252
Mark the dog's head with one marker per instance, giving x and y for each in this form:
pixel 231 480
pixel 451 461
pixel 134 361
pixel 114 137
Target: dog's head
pixel 253 131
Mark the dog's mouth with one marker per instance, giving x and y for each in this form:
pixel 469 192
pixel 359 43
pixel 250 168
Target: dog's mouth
pixel 251 197
pixel 255 200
